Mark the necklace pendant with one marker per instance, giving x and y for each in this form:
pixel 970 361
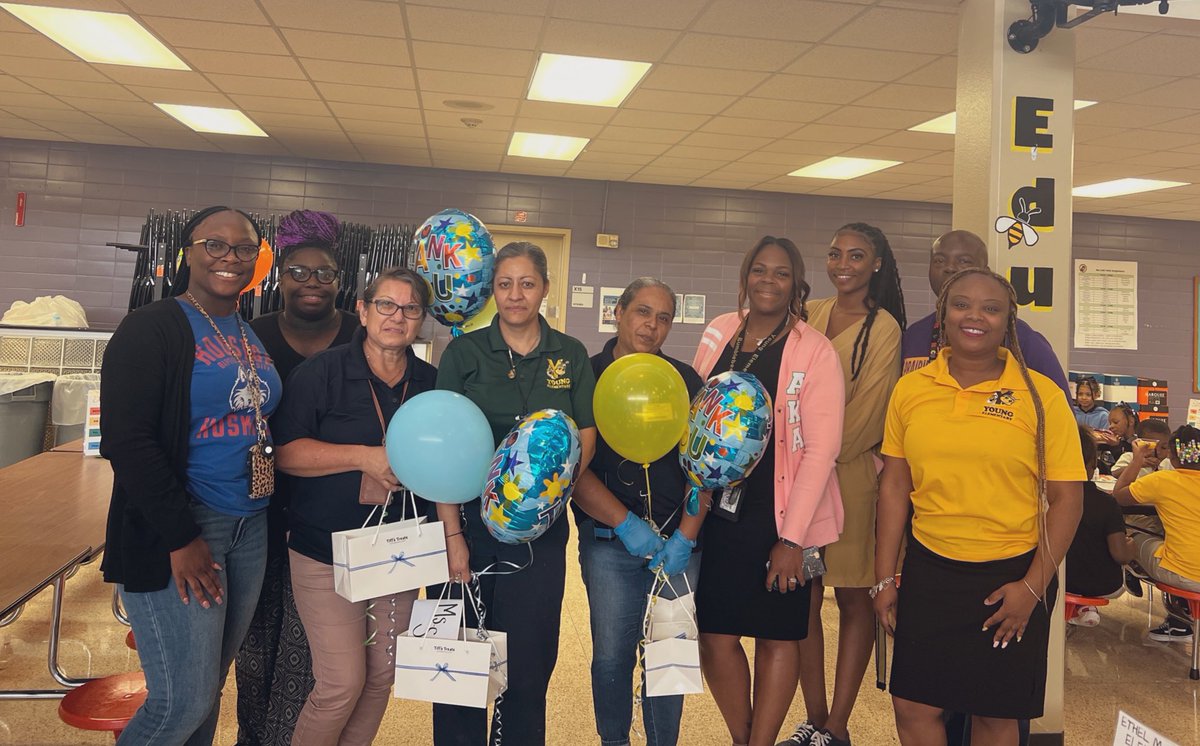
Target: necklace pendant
pixel 511 374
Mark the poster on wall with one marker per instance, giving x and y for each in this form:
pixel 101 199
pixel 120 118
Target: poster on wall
pixel 693 309
pixel 1105 305
pixel 608 309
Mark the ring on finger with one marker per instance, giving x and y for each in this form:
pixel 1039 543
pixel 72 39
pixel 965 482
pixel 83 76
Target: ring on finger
pixel 793 581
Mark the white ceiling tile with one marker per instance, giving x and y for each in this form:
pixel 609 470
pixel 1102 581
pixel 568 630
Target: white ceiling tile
pixel 35 46
pixel 858 63
pixel 248 85
pixel 1128 115
pixel 61 69
pixel 361 94
pixel 794 20
pixel 378 113
pixel 744 143
pixel 607 40
pixel 470 85
pixel 488 29
pixel 386 76
pixel 693 79
pixel 601 145
pixel 391 141
pixel 722 155
pixel 187 98
pixel 344 16
pixel 503 107
pixel 780 110
pixel 453 120
pixel 913 97
pixel 1177 55
pixel 228 11
pixel 1180 92
pixel 370 50
pixel 643 134
pixel 274 104
pixel 1112 85
pixel 599 158
pixel 1092 40
pixel 429 55
pixel 35 99
pixel 811 89
pixel 734 52
pixel 901 30
pixel 463 134
pixel 552 127
pixel 382 127
pixel 755 127
pixel 673 101
pixel 236 63
pixel 941 73
pixel 670 14
pixel 836 133
pixel 220 35
pixel 868 116
pixel 669 120
pixel 101 107
pixel 894 153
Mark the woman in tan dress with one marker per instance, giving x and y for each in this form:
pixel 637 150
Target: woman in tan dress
pixel 864 322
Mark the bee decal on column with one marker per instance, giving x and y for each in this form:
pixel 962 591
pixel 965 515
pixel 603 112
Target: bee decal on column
pixel 1018 228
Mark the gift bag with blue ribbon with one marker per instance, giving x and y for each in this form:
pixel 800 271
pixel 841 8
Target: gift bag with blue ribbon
pixel 671 653
pixel 388 558
pixel 445 670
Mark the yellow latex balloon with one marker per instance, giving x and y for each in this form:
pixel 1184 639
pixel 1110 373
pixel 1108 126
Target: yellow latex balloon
pixel 641 407
pixel 483 318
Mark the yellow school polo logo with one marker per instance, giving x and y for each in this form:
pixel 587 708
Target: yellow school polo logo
pixel 1000 403
pixel 556 374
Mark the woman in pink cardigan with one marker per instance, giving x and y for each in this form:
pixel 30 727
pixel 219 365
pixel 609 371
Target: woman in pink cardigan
pixel 752 580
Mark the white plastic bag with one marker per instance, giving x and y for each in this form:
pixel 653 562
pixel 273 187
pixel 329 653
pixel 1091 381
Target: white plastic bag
pixel 46 310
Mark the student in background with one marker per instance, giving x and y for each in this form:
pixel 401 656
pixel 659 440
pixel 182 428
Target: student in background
pixel 952 252
pixel 1168 551
pixel 1118 438
pixel 1154 431
pixel 1100 546
pixel 1087 412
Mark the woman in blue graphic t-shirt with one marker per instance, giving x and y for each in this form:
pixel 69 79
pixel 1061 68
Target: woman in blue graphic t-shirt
pixel 186 387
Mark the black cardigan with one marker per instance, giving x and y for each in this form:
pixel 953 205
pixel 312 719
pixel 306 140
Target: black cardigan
pixel 145 401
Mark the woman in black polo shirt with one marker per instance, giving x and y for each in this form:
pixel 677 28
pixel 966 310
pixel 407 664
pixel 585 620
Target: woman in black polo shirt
pixel 515 366
pixel 329 434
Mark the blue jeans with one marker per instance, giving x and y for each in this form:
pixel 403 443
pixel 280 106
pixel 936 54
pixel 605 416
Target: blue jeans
pixel 617 585
pixel 186 650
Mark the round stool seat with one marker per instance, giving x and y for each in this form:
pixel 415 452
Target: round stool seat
pixel 104 704
pixel 130 642
pixel 1075 601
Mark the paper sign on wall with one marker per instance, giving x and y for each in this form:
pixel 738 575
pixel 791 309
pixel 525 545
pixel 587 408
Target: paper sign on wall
pixel 1106 298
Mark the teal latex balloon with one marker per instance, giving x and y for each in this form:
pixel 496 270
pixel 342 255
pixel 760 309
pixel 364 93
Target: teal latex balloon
pixel 439 445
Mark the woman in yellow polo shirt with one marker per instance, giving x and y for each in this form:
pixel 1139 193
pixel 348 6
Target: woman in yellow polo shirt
pixel 970 443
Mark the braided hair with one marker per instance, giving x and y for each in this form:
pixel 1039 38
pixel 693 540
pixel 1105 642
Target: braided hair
pixel 184 275
pixel 307 229
pixel 1185 447
pixel 884 291
pixel 1014 349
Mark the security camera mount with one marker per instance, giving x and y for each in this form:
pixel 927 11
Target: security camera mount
pixel 1023 35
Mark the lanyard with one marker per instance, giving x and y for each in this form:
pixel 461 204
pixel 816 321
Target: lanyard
pixel 763 344
pixel 379 411
pixel 523 394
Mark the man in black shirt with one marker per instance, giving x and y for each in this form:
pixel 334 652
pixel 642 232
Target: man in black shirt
pixel 622 530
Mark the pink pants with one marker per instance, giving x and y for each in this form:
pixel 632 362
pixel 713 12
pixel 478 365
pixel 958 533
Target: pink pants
pixel 353 680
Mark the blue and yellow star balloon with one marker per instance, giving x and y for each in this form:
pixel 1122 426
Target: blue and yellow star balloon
pixel 729 428
pixel 455 256
pixel 533 473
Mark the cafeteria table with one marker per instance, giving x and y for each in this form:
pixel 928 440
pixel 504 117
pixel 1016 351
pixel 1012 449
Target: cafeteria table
pixel 52 520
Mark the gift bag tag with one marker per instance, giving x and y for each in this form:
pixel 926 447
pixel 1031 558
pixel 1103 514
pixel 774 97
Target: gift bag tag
pixel 439 617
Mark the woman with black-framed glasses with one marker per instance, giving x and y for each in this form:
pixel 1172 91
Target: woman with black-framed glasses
pixel 274 667
pixel 329 431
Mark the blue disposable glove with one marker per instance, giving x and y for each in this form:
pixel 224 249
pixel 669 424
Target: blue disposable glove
pixel 639 539
pixel 673 558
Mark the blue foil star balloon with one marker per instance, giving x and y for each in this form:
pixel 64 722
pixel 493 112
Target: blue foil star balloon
pixel 455 256
pixel 532 476
pixel 729 429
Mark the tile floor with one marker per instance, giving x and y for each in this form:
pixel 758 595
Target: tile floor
pixel 1110 667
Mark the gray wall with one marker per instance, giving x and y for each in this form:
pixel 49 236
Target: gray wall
pixel 82 196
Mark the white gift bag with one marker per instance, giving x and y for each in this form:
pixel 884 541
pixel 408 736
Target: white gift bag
pixel 672 617
pixel 389 558
pixel 448 672
pixel 464 671
pixel 673 667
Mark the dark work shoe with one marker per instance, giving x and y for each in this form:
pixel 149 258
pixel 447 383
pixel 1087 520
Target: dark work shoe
pixel 800 736
pixel 1133 585
pixel 1171 631
pixel 824 738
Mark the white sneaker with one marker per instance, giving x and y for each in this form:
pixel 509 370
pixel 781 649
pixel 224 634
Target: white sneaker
pixel 1087 616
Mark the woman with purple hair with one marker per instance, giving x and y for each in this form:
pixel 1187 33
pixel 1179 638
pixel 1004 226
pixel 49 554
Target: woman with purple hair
pixel 274 666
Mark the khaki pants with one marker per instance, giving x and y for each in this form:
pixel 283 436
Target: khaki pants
pixel 1147 535
pixel 353 680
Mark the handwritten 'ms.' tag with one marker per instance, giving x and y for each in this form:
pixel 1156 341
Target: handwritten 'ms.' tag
pixel 436 618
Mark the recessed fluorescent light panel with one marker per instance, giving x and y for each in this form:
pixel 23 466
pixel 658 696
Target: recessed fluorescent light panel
pixel 553 147
pixel 106 38
pixel 216 121
pixel 840 167
pixel 947 123
pixel 584 80
pixel 1121 187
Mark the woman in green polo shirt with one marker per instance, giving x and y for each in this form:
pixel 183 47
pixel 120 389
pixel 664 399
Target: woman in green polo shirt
pixel 516 366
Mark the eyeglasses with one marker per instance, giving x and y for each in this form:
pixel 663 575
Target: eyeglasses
pixel 325 275
pixel 218 249
pixel 386 307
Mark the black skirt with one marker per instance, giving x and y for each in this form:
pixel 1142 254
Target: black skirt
pixel 943 658
pixel 731 597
